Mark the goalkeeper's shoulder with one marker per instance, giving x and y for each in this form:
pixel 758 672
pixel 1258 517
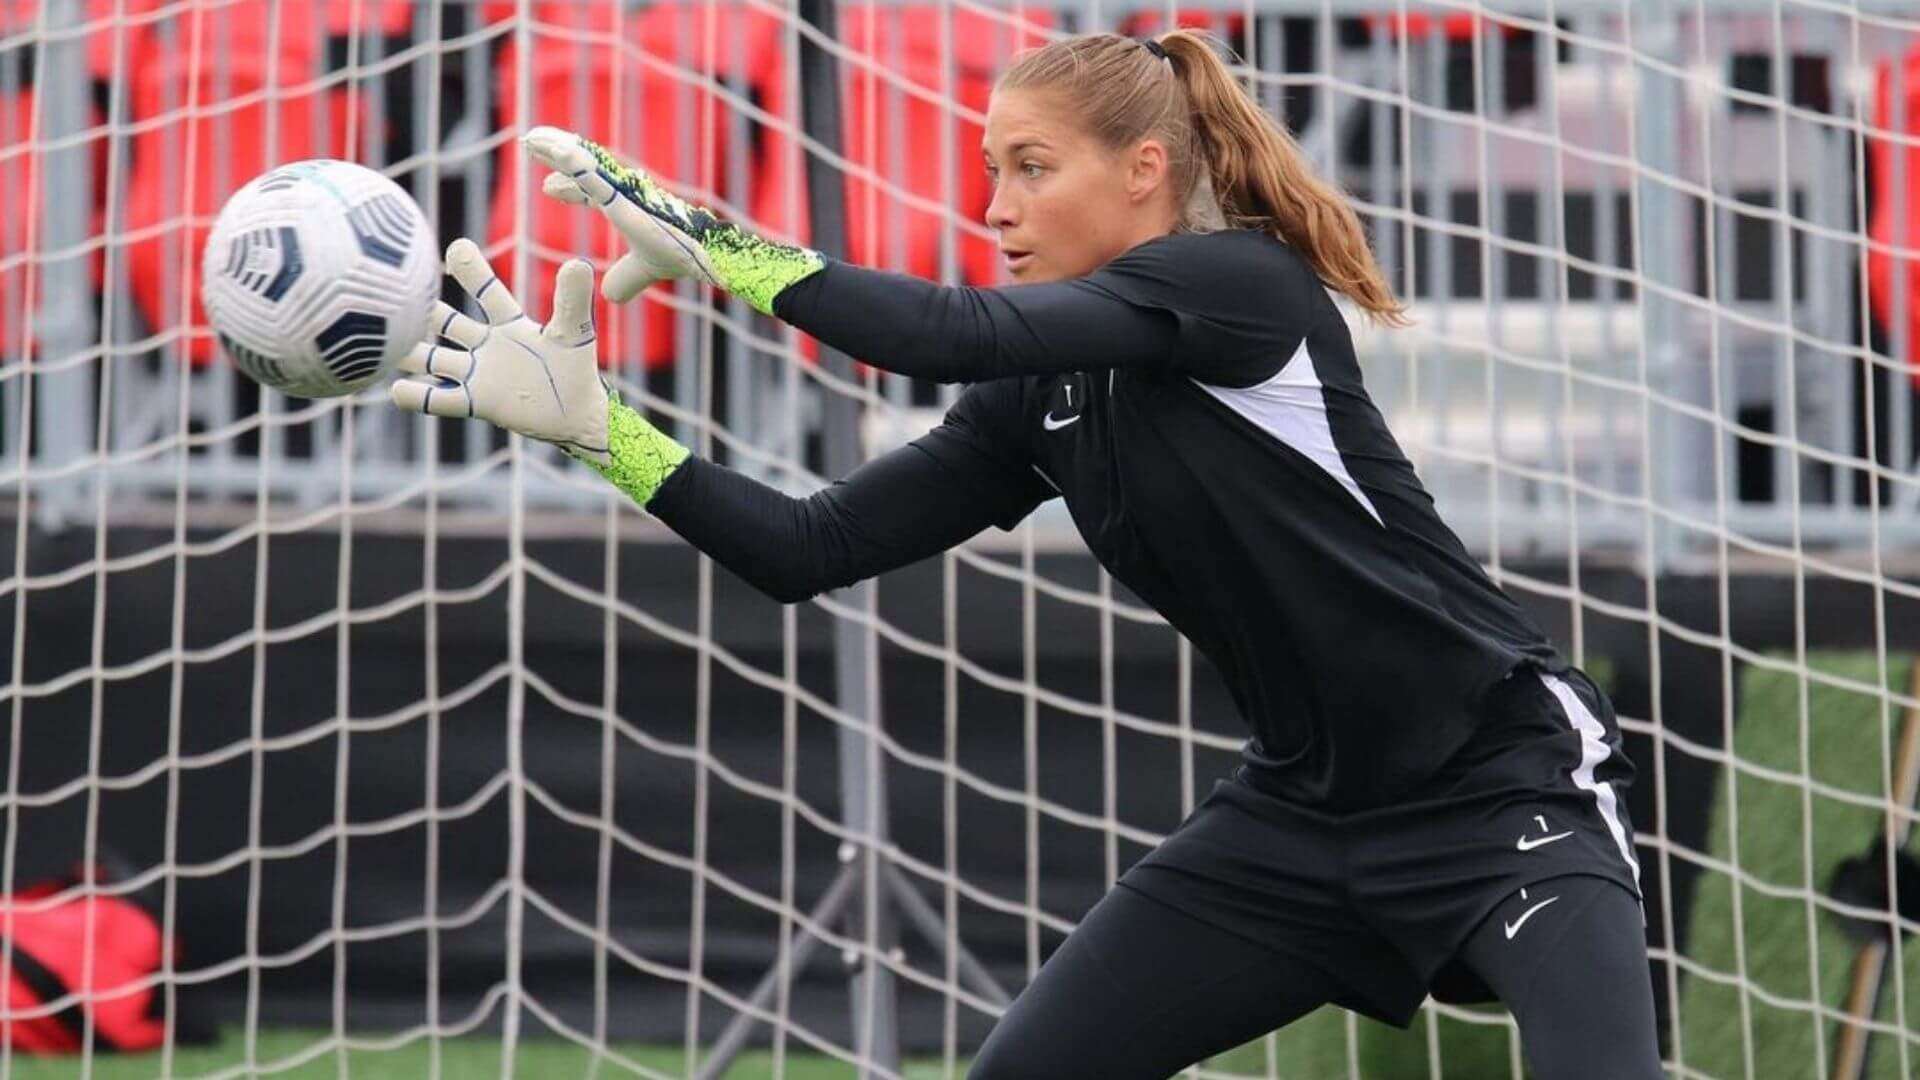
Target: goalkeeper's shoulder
pixel 1235 291
pixel 1224 266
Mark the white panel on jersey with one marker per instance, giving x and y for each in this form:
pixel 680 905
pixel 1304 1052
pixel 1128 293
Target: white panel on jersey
pixel 1292 407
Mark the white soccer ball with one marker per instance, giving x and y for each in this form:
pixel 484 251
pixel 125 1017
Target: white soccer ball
pixel 318 276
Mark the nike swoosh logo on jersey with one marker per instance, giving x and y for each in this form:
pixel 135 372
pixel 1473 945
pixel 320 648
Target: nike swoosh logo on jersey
pixel 1514 926
pixel 1055 425
pixel 1525 844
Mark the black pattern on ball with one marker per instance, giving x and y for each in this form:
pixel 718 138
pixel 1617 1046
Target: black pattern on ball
pixel 271 286
pixel 280 178
pixel 384 229
pixel 352 346
pixel 258 366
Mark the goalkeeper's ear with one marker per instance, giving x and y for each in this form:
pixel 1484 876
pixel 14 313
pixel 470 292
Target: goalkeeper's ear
pixel 572 321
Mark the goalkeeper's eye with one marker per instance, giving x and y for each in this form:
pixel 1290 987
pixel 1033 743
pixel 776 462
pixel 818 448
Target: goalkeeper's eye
pixel 1031 170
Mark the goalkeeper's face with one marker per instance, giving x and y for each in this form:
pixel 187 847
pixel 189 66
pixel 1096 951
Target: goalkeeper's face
pixel 1064 204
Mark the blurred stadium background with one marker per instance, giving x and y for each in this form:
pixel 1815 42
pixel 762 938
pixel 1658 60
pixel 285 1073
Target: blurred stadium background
pixel 438 760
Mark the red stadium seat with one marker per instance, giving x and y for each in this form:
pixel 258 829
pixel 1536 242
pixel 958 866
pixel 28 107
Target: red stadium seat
pixel 106 29
pixel 493 11
pixel 18 168
pixel 1230 25
pixel 592 87
pixel 391 18
pixel 1893 225
pixel 1453 27
pixel 898 133
pixel 215 145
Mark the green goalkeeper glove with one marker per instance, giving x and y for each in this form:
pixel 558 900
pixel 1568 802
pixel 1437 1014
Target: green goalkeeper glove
pixel 667 237
pixel 540 381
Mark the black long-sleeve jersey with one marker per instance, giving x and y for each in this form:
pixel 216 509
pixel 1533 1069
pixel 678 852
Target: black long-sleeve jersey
pixel 1198 405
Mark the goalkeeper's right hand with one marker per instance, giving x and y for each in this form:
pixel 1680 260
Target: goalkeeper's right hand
pixel 667 237
pixel 539 381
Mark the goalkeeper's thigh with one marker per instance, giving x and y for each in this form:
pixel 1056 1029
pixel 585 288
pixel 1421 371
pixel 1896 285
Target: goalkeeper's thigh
pixel 1569 960
pixel 1140 991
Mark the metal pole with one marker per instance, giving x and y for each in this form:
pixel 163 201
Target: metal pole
pixel 832 905
pixel 862 778
pixel 1663 258
pixel 64 322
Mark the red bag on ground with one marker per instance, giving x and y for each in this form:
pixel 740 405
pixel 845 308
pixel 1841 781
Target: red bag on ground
pixel 48 961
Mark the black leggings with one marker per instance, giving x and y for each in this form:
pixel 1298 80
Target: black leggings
pixel 1142 990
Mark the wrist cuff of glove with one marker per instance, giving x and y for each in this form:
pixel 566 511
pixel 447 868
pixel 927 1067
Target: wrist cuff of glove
pixel 640 456
pixel 754 268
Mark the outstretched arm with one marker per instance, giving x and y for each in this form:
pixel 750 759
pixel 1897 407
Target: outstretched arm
pixel 544 382
pixel 896 322
pixel 912 326
pixel 897 509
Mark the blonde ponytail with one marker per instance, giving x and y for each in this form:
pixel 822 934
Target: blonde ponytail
pixel 1234 165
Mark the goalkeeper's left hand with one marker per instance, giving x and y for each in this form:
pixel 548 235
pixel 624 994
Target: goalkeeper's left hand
pixel 667 237
pixel 540 381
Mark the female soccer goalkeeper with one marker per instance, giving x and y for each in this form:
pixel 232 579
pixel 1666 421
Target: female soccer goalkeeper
pixel 1431 796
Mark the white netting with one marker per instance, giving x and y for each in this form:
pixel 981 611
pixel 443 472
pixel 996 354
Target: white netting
pixel 439 758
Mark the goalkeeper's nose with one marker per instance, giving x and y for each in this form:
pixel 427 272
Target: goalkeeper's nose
pixel 1001 214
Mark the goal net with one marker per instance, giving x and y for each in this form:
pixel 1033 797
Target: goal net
pixel 430 754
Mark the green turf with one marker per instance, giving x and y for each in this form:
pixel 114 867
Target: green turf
pixel 477 1056
pixel 1845 751
pixel 1317 1047
pixel 1314 1048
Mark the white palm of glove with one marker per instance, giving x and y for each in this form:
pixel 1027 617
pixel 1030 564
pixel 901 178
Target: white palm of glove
pixel 540 381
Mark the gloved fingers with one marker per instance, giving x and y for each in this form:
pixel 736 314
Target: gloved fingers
pixel 442 360
pixel 458 327
pixel 627 278
pixel 629 275
pixel 433 396
pixel 468 267
pixel 560 186
pixel 572 322
pixel 567 154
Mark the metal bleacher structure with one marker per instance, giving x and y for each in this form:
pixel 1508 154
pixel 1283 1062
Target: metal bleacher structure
pixel 1719 373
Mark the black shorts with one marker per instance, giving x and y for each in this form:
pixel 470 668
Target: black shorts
pixel 1382 899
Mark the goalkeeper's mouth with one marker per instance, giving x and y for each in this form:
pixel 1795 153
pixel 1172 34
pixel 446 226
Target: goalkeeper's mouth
pixel 1017 261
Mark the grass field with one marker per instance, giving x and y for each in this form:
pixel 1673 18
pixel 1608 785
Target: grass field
pixel 460 1059
pixel 1775 937
pixel 1315 1048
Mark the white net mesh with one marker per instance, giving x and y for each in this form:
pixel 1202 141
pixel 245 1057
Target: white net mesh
pixel 435 756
